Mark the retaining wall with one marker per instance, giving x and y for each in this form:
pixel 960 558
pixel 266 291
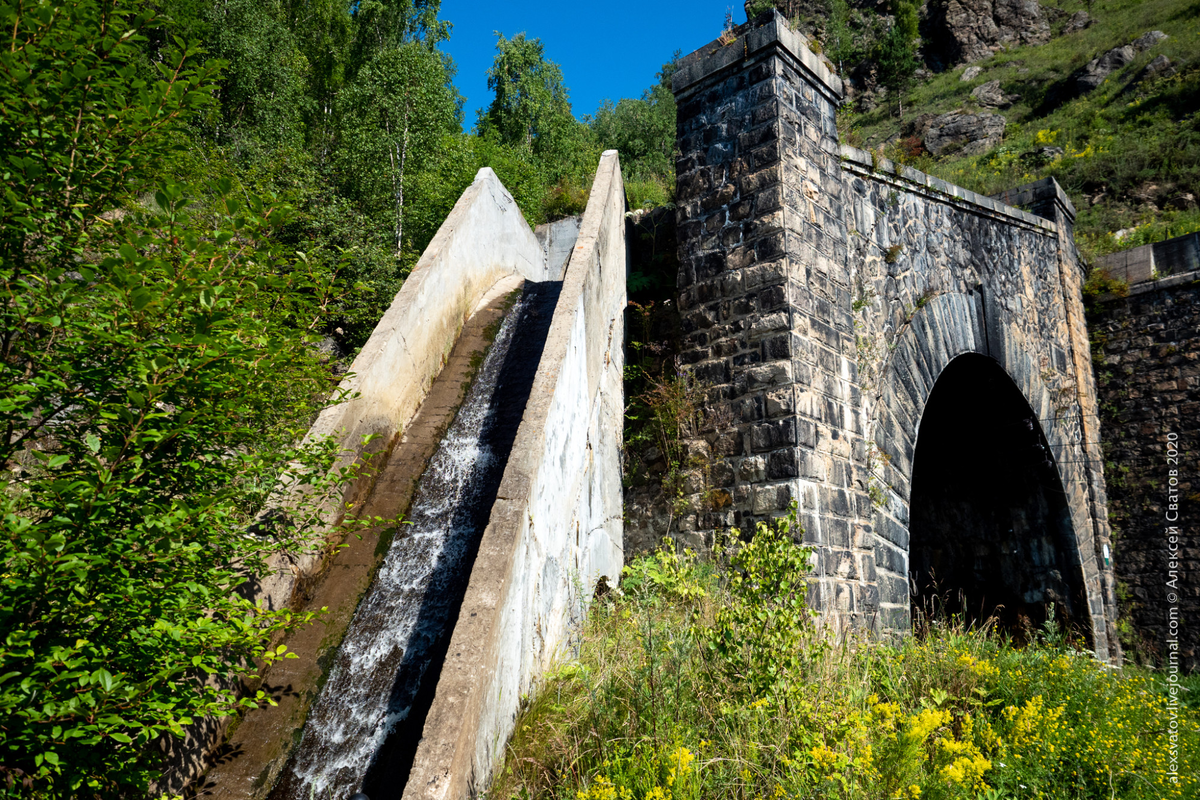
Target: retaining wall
pixel 1147 361
pixel 1151 261
pixel 556 528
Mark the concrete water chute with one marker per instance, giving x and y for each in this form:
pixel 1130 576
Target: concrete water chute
pixel 510 462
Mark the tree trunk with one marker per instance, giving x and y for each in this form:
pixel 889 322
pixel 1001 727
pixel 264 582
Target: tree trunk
pixel 397 155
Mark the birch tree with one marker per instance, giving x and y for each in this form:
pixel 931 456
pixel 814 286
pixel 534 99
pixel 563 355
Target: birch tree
pixel 393 116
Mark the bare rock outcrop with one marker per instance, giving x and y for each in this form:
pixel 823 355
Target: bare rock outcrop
pixel 990 95
pixel 1099 68
pixel 1160 67
pixel 1078 21
pixel 963 31
pixel 964 133
pixel 1148 40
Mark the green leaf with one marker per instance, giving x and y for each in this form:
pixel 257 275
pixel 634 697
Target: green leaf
pixel 141 298
pixel 104 678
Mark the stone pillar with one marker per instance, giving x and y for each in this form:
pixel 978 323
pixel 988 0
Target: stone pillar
pixel 765 301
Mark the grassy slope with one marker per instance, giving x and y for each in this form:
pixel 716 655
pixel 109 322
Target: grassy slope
pixel 1139 146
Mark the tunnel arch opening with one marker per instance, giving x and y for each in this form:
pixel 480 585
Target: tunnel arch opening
pixel 990 527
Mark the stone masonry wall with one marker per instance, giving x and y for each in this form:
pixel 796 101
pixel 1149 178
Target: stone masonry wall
pixel 939 273
pixel 821 294
pixel 765 302
pixel 1147 349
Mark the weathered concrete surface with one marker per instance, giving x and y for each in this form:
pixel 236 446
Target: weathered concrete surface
pixel 249 762
pixel 822 294
pixel 484 239
pixel 558 241
pixel 1147 361
pixel 555 529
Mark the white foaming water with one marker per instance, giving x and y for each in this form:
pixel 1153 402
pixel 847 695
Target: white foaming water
pixel 379 666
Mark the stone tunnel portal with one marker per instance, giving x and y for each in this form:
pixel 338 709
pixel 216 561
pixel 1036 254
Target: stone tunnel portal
pixel 991 532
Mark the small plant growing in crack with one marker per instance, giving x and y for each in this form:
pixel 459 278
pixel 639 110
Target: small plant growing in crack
pixel 877 486
pixel 864 299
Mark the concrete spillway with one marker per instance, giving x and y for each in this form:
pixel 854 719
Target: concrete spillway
pixel 363 729
pixel 409 683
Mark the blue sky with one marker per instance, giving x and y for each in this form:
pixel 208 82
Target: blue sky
pixel 606 50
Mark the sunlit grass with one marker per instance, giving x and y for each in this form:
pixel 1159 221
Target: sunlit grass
pixel 1128 151
pixel 654 707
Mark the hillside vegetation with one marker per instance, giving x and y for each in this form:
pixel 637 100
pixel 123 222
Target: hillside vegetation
pixel 686 686
pixel 1128 151
pixel 206 208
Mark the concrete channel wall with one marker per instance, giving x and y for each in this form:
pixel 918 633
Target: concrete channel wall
pixel 556 528
pixel 484 240
pixel 1153 261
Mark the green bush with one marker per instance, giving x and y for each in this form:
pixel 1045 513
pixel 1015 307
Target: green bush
pixel 157 369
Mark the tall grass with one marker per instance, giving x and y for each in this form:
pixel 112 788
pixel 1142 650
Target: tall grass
pixel 690 686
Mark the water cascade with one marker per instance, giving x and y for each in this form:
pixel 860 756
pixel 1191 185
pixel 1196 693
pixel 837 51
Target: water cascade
pixel 365 725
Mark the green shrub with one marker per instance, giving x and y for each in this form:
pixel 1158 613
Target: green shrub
pixel 157 370
pixel 1100 282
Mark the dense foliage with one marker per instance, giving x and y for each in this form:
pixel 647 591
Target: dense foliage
pixel 643 131
pixel 155 362
pixel 689 687
pixel 194 194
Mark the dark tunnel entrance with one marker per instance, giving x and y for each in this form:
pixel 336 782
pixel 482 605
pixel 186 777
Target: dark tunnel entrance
pixel 991 532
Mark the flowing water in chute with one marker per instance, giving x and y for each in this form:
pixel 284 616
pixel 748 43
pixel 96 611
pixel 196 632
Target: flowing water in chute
pixel 363 729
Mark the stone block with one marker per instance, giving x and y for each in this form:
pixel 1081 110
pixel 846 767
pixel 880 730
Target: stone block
pixel 836 533
pixel 779 403
pixel 772 435
pixel 752 469
pixel 835 501
pixel 770 499
pixel 768 324
pixel 782 464
pixel 776 373
pixel 776 348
